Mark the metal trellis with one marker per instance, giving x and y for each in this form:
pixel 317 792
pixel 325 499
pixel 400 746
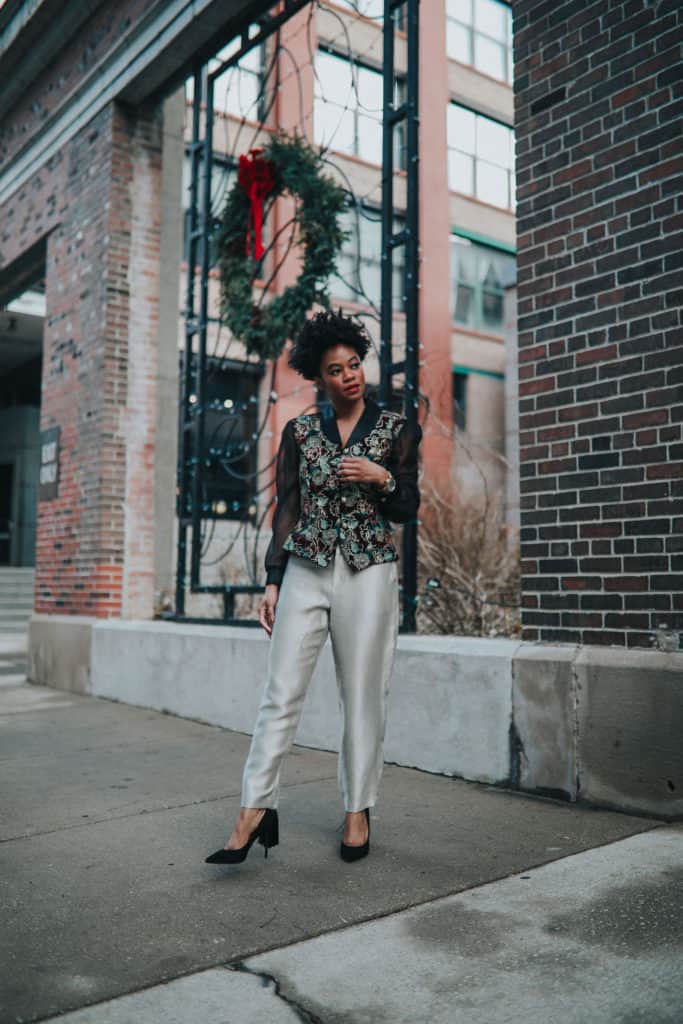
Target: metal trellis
pixel 397 115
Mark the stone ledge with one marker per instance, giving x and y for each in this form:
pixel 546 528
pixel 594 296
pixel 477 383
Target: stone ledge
pixel 600 725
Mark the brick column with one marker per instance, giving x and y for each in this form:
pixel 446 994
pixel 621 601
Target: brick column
pixel 599 170
pixel 95 543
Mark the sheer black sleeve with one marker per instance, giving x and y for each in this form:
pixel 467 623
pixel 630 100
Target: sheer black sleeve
pixel 402 505
pixel 288 504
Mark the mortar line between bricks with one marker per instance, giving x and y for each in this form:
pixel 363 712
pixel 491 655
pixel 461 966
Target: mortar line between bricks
pixel 156 810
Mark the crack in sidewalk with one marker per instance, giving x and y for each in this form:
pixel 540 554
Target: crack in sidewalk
pixel 270 981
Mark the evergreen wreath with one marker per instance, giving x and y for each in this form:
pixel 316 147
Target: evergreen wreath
pixel 286 164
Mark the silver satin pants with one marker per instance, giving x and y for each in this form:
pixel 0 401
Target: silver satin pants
pixel 360 609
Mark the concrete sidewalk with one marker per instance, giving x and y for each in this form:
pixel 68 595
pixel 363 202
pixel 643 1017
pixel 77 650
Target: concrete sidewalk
pixel 109 911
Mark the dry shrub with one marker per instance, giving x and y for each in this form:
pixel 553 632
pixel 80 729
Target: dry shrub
pixel 466 548
pixel 246 605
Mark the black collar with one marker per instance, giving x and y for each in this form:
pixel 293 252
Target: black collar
pixel 368 419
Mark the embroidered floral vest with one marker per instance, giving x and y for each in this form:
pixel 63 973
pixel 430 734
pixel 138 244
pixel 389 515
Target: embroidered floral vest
pixel 335 511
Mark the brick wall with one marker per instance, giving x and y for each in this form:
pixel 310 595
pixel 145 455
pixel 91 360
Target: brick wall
pixel 598 104
pixel 109 26
pixel 97 203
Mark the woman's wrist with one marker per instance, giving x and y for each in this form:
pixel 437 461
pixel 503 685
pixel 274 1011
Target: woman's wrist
pixel 386 484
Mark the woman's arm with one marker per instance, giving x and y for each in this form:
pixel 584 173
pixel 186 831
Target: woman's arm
pixel 402 504
pixel 287 509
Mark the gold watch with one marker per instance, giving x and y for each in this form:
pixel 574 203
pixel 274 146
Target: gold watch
pixel 389 485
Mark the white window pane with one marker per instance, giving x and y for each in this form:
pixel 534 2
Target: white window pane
pixel 492 309
pixel 241 98
pixel 492 185
pixel 369 139
pixel 463 262
pixel 493 141
pixel 369 91
pixel 399 288
pixel 333 127
pixel 460 9
pixel 371 8
pixel 340 288
pixel 461 128
pixel 347 222
pixel 187 178
pixel 490 267
pixel 228 51
pixel 222 180
pixel 223 89
pixel 461 172
pixel 371 279
pixel 458 42
pixel 489 57
pixel 252 60
pixel 490 17
pixel 370 237
pixel 334 79
pixel 463 312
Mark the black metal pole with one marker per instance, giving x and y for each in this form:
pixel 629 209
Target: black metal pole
pixel 386 310
pixel 183 475
pixel 200 410
pixel 407 113
pixel 412 297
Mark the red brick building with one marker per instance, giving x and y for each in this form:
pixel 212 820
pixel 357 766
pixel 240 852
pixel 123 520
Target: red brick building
pixel 91 150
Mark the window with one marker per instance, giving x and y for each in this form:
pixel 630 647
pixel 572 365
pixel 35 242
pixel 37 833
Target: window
pixel 480 157
pixel 230 446
pixel 373 9
pixel 239 90
pixel 368 8
pixel 223 175
pixel 460 399
pixel 479 32
pixel 348 109
pixel 359 265
pixel 478 277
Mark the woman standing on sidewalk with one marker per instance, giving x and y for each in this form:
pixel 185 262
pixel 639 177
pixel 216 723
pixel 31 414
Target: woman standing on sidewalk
pixel 331 566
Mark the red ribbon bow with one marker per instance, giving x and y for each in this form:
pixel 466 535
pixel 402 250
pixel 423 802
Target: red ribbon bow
pixel 257 178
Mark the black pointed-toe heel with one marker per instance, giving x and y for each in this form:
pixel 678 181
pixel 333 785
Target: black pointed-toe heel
pixel 351 853
pixel 267 832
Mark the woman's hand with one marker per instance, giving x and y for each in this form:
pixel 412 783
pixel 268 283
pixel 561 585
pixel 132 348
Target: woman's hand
pixel 266 612
pixel 357 469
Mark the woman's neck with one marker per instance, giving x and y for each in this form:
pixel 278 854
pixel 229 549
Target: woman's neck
pixel 349 410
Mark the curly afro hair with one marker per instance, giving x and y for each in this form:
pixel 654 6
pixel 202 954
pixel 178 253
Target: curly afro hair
pixel 321 332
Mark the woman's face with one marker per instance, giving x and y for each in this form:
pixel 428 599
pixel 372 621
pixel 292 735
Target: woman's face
pixel 341 374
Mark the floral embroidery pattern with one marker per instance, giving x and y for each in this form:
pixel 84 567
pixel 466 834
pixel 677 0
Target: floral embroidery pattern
pixel 335 511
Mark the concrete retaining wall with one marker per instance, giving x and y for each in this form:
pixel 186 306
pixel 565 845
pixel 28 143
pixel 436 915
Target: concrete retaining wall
pixel 577 723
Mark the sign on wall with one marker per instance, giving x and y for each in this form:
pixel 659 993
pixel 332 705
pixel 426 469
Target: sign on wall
pixel 49 464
